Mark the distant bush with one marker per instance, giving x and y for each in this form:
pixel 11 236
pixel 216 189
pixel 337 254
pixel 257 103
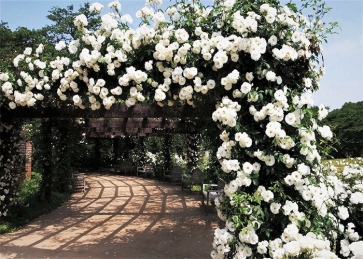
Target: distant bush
pixel 29 189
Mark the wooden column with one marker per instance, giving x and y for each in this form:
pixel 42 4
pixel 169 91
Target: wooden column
pixel 46 160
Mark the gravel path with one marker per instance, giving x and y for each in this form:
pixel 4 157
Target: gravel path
pixel 118 217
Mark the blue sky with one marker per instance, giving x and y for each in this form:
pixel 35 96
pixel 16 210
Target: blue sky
pixel 343 55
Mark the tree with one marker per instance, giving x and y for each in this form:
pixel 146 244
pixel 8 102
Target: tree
pixel 13 43
pixel 347 124
pixel 63 18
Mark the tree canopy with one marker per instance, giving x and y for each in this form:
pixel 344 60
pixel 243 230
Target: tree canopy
pixel 14 42
pixel 63 28
pixel 347 124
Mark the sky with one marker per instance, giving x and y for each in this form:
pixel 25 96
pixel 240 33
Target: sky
pixel 343 54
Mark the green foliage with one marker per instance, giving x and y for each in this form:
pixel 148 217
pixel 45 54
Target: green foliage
pixel 347 124
pixel 93 153
pixel 208 161
pixel 139 153
pixel 11 162
pixel 193 142
pixel 13 43
pixel 166 151
pixel 54 146
pixel 63 19
pixel 29 189
pixel 28 205
pixel 157 152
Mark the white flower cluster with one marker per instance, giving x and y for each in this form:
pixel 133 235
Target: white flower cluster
pixel 243 139
pixel 211 47
pixel 268 159
pixel 6 87
pixel 81 21
pixel 274 111
pixel 152 158
pixel 226 113
pixel 356 197
pixel 248 236
pixel 307 137
pixel 304 99
pixel 224 151
pixel 323 112
pixel 357 249
pixel 266 195
pixel 230 79
pixel 178 160
pixel 298 244
pixel 286 53
pixel 344 191
pixel 221 241
pixel 243 179
pixel 230 165
pixel 245 25
pixel 325 132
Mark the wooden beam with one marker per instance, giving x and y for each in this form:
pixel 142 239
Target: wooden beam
pixel 139 123
pixel 116 111
pixel 109 128
pixel 136 125
pixel 138 133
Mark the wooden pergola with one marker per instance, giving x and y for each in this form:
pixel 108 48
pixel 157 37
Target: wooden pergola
pixel 116 127
pixel 120 120
pixel 115 123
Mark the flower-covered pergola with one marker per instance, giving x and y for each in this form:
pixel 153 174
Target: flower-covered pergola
pixel 251 65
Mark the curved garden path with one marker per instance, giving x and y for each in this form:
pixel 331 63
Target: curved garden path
pixel 118 217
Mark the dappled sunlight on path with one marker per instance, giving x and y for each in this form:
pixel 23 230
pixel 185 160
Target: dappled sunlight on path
pixel 118 217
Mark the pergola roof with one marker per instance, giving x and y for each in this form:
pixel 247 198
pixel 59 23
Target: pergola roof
pixel 120 120
pixel 101 128
pixel 116 111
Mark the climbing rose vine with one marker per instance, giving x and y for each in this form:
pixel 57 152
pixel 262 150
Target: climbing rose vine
pixel 258 61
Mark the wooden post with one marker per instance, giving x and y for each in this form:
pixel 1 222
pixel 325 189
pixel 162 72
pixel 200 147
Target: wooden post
pixel 115 151
pixel 97 152
pixel 46 160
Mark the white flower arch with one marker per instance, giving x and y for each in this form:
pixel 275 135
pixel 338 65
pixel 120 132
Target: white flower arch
pixel 258 61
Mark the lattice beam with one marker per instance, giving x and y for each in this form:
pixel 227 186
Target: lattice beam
pixel 116 111
pixel 101 128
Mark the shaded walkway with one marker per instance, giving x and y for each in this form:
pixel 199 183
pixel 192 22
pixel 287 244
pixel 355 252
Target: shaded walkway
pixel 118 217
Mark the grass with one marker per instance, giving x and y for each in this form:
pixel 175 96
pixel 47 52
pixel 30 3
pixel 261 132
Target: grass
pixel 29 206
pixel 342 162
pixel 196 188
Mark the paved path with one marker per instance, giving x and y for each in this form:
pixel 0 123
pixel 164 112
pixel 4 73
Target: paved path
pixel 118 217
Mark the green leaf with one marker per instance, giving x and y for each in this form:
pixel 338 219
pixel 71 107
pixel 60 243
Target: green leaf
pixel 292 6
